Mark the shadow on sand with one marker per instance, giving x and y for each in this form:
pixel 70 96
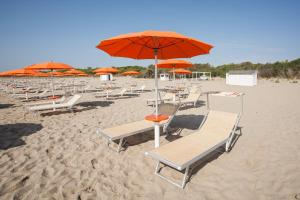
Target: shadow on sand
pixel 213 155
pixel 60 112
pixel 11 134
pixel 179 122
pixel 80 107
pixel 6 105
pixel 95 104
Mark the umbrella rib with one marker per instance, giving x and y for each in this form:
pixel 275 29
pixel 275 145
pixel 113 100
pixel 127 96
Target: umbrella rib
pixel 124 46
pixel 143 48
pixel 186 55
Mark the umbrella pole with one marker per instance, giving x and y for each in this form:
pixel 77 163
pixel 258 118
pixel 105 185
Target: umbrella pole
pixel 156 125
pixel 52 85
pixel 173 77
pixel 156 83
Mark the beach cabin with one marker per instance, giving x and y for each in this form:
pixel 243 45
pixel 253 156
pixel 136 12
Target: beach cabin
pixel 164 77
pixel 106 77
pixel 201 75
pixel 241 77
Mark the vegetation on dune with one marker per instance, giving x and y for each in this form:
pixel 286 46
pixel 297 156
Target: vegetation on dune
pixel 283 69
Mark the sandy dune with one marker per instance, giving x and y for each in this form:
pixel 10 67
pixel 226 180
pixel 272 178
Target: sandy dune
pixel 60 156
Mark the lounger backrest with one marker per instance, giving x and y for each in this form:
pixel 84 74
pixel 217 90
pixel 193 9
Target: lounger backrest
pixel 43 93
pixel 143 87
pixel 123 91
pixel 168 95
pixel 219 124
pixel 73 100
pixel 194 89
pixel 193 96
pixel 167 109
pixel 62 99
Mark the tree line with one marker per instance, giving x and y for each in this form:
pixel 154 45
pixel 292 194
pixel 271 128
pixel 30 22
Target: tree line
pixel 280 69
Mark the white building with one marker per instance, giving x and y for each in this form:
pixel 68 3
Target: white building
pixel 241 77
pixel 106 77
pixel 164 77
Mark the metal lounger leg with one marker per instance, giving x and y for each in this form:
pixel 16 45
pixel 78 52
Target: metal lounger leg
pixel 120 145
pixel 180 185
pixel 229 141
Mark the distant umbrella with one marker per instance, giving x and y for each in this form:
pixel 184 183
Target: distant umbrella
pixel 131 73
pixel 106 70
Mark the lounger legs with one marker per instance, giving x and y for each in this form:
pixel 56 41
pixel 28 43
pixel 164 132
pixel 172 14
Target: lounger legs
pixel 229 141
pixel 180 185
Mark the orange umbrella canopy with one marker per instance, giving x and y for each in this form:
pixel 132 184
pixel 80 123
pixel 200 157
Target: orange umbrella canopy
pixel 49 65
pixel 40 74
pixel 141 45
pixel 131 73
pixel 106 70
pixel 3 74
pixel 82 74
pixel 74 72
pixel 172 63
pixel 181 71
pixel 56 73
pixel 19 72
pixel 101 73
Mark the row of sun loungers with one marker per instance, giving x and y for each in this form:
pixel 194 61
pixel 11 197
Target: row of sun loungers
pixel 54 105
pixel 218 128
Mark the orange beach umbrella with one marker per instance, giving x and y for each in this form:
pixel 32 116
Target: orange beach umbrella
pixel 106 70
pixel 181 71
pixel 172 63
pixel 56 74
pixel 154 45
pixel 49 66
pixel 83 74
pixel 40 74
pixel 143 45
pixel 131 73
pixel 74 72
pixel 101 73
pixel 19 72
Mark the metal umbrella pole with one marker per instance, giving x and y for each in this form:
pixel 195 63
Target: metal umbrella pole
pixel 156 124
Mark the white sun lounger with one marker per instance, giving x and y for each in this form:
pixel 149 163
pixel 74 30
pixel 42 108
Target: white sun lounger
pixel 216 130
pixel 167 97
pixel 139 90
pixel 109 94
pixel 191 99
pixel 53 106
pixel 43 102
pixel 35 95
pixel 120 132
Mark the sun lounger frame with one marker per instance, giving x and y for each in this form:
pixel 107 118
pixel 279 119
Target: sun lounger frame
pixel 187 166
pixel 122 140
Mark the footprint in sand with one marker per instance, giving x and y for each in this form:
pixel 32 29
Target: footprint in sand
pixel 10 187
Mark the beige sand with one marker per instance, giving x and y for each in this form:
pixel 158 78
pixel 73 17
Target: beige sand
pixel 60 156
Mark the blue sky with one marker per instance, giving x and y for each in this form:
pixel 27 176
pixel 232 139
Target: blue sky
pixel 68 31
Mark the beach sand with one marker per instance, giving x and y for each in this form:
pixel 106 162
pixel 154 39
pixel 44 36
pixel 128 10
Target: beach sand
pixel 60 155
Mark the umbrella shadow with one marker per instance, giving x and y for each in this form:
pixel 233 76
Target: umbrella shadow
pixel 94 104
pixel 6 105
pixel 60 112
pixel 11 134
pixel 139 139
pixel 213 155
pixel 180 122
